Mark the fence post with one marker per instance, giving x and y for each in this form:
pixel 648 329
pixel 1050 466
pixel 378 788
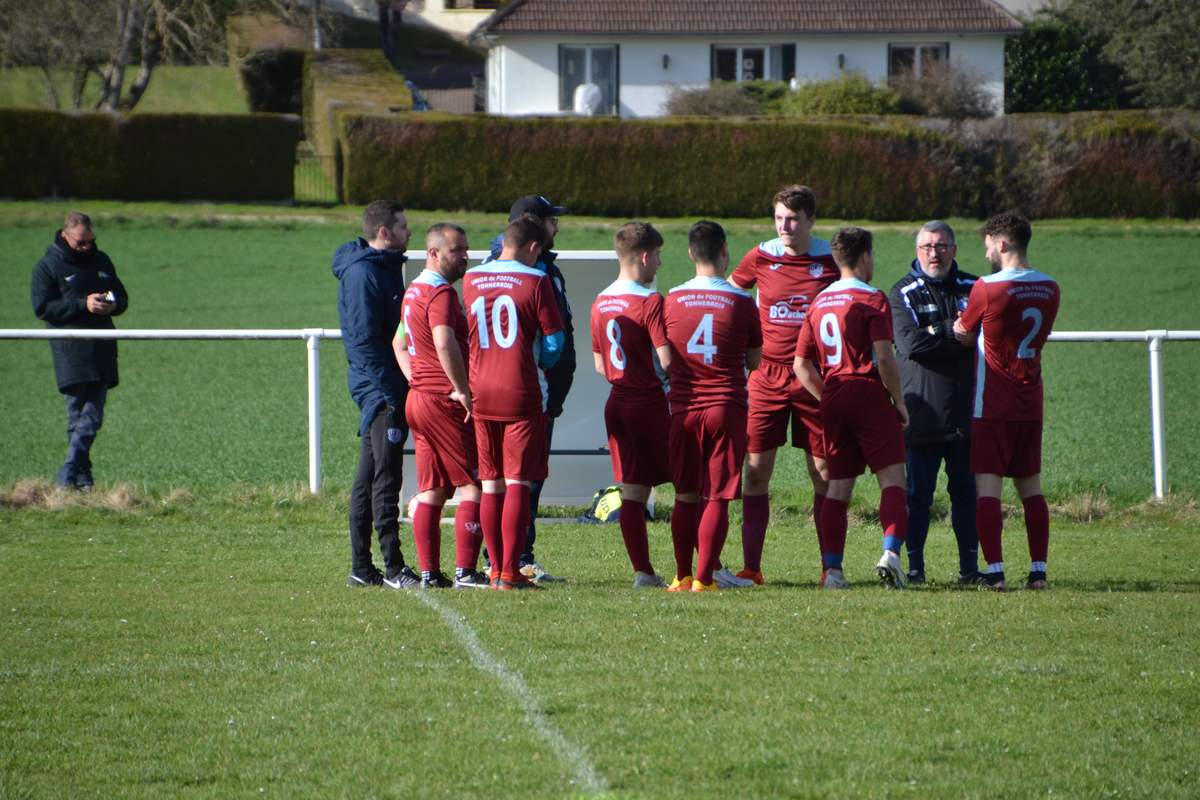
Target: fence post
pixel 312 338
pixel 1157 429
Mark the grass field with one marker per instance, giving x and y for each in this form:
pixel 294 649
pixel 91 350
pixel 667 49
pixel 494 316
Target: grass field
pixel 185 630
pixel 201 89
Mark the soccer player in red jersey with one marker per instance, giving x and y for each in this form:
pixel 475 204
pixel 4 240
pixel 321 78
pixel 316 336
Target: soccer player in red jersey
pixel 1015 307
pixel 515 328
pixel 431 348
pixel 848 333
pixel 789 272
pixel 629 348
pixel 714 336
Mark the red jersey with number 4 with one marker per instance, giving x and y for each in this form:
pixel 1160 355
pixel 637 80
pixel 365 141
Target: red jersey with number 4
pixel 710 325
pixel 429 302
pixel 786 285
pixel 843 323
pixel 510 308
pixel 627 324
pixel 1016 308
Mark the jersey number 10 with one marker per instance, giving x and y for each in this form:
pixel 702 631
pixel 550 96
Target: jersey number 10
pixel 505 334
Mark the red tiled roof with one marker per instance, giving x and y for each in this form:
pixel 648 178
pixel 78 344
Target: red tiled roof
pixel 750 16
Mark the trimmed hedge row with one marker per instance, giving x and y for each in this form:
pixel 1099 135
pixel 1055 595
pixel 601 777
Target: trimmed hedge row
pixel 1123 164
pixel 663 167
pixel 237 157
pixel 273 80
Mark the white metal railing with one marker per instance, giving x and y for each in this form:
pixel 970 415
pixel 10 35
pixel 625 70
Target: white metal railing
pixel 313 336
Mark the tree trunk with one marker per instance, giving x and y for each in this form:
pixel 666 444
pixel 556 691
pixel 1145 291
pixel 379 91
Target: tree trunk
pixel 50 90
pixel 151 50
pixel 129 25
pixel 83 68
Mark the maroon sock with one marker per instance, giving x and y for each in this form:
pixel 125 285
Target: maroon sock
pixel 989 521
pixel 427 536
pixel 633 531
pixel 833 530
pixel 893 516
pixel 491 512
pixel 756 513
pixel 714 527
pixel 685 518
pixel 515 526
pixel 1037 527
pixel 818 502
pixel 468 537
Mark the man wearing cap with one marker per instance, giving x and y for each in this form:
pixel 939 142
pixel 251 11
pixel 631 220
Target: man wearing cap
pixel 560 376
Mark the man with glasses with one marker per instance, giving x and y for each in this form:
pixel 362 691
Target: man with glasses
pixel 75 285
pixel 936 374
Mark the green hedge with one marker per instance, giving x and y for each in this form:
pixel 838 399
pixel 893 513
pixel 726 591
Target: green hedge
pixel 1127 164
pixel 658 167
pixel 236 157
pixel 273 80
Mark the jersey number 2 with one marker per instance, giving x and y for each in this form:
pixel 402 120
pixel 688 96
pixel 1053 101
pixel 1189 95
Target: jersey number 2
pixel 505 334
pixel 1024 350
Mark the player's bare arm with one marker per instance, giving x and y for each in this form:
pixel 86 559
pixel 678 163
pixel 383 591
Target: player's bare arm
pixel 400 348
pixel 809 378
pixel 598 363
pixel 753 358
pixel 453 364
pixel 889 373
pixel 664 355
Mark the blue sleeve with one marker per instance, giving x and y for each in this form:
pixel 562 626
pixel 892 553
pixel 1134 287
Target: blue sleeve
pixel 372 353
pixel 552 347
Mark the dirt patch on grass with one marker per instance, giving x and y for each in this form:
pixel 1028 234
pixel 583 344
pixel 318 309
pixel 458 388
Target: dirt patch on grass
pixel 120 497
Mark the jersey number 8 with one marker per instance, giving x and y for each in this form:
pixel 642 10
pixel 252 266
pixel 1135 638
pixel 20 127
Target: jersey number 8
pixel 616 353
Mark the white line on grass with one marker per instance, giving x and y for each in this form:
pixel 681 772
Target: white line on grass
pixel 586 776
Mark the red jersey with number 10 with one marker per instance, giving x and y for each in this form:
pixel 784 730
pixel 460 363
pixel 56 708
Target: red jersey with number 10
pixel 710 325
pixel 510 307
pixel 627 324
pixel 843 324
pixel 429 302
pixel 1016 308
pixel 786 285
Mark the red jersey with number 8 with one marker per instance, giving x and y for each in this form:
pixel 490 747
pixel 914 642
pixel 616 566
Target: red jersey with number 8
pixel 710 325
pixel 842 325
pixel 1016 309
pixel 627 324
pixel 510 307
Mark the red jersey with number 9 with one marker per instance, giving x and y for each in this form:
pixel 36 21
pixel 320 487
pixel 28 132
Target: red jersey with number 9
pixel 1016 309
pixel 510 307
pixel 627 324
pixel 839 334
pixel 710 325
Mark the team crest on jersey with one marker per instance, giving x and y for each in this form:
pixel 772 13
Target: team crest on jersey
pixel 816 270
pixel 775 267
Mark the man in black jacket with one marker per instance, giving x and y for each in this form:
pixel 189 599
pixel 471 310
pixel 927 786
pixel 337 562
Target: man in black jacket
pixel 370 273
pixel 559 377
pixel 75 285
pixel 937 376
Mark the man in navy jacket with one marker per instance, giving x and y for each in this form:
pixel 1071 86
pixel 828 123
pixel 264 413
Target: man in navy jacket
pixel 371 275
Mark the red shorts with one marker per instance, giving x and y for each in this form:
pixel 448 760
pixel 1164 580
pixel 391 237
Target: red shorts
pixel 862 429
pixel 1011 449
pixel 514 449
pixel 638 437
pixel 443 441
pixel 707 446
pixel 777 398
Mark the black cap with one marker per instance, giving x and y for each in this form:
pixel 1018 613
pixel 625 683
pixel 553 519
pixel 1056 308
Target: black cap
pixel 535 204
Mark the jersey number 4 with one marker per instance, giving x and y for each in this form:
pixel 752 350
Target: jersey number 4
pixel 701 341
pixel 505 334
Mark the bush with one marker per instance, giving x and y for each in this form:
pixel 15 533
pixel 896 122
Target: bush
pixel 851 93
pixel 668 167
pixel 237 157
pixel 719 99
pixel 1056 64
pixel 273 81
pixel 949 91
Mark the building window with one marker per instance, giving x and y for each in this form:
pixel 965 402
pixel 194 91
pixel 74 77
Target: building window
pixel 739 63
pixel 915 59
pixel 580 64
pixel 476 4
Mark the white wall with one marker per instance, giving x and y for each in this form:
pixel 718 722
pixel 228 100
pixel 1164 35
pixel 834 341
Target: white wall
pixel 523 70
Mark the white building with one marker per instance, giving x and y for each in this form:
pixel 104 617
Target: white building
pixel 635 51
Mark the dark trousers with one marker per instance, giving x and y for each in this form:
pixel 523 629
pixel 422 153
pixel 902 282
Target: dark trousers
pixel 923 462
pixel 375 496
pixel 85 415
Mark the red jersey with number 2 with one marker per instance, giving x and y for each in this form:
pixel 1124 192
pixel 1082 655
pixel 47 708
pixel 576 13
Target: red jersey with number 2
pixel 843 323
pixel 510 307
pixel 429 302
pixel 710 325
pixel 1016 309
pixel 627 324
